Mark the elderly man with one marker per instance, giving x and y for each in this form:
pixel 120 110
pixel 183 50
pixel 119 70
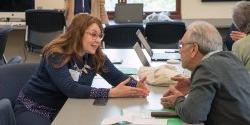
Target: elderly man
pixel 218 91
pixel 241 20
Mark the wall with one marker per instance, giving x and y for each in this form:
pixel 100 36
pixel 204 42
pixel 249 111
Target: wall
pixel 195 9
pixel 49 4
pixel 190 9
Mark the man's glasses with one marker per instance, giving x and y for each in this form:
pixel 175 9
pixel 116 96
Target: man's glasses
pixel 181 43
pixel 95 36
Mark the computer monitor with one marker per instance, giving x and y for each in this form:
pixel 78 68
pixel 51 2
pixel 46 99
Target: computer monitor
pixel 15 8
pixel 128 13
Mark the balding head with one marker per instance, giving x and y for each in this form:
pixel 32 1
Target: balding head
pixel 206 36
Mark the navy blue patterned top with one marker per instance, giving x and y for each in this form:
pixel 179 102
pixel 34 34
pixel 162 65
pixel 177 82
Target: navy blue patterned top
pixel 49 88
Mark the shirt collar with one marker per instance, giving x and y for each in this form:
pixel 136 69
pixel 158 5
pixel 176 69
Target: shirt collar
pixel 209 54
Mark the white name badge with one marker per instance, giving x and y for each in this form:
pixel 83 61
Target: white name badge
pixel 74 74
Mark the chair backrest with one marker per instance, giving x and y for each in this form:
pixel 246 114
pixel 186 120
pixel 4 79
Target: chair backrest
pixel 7 116
pixel 164 35
pixel 43 26
pixel 3 40
pixel 121 36
pixel 13 77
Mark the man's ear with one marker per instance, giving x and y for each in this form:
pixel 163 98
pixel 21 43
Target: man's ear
pixel 195 50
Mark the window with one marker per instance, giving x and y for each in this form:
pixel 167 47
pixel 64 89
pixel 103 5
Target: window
pixel 150 6
pixel 110 4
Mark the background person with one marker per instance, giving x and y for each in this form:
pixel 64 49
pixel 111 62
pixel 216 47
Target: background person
pixel 94 7
pixel 241 20
pixel 233 35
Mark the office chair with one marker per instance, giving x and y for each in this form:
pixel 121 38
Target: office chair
pixel 164 35
pixel 121 36
pixel 42 26
pixel 13 77
pixel 7 116
pixel 3 40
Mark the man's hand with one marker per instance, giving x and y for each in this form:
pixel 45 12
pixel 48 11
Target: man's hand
pixel 183 84
pixel 236 35
pixel 169 101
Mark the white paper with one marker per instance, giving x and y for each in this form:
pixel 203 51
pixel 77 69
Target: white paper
pixel 112 120
pixel 135 116
pixel 134 120
pixel 151 121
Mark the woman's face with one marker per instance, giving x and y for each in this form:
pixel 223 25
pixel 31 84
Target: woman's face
pixel 92 39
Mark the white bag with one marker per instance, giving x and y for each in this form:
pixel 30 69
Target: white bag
pixel 158 17
pixel 158 76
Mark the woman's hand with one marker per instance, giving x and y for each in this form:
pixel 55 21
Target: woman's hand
pixel 122 90
pixel 142 84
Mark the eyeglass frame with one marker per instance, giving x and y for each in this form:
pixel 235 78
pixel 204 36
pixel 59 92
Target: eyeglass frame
pixel 95 35
pixel 181 43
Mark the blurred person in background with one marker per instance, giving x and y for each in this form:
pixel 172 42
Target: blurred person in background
pixel 95 8
pixel 241 20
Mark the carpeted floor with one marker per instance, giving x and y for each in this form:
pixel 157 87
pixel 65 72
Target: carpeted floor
pixel 15 47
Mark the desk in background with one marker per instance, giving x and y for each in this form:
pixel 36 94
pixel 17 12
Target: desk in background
pixel 14 25
pixel 219 23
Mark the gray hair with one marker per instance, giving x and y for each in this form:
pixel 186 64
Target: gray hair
pixel 206 36
pixel 241 13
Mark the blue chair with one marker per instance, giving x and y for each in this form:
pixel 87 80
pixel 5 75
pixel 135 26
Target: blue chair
pixel 7 116
pixel 121 36
pixel 42 27
pixel 13 77
pixel 164 35
pixel 3 40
